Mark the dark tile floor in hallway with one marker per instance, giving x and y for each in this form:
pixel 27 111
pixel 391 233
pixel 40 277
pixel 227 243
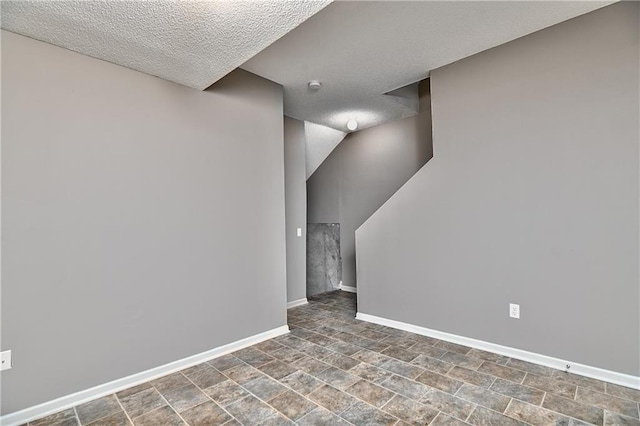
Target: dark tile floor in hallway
pixel 335 370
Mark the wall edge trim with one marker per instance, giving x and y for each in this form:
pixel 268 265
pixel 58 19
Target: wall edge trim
pixel 295 303
pixel 347 288
pixel 540 359
pixel 50 407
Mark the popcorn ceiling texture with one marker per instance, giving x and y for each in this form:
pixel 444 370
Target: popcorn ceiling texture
pixel 188 42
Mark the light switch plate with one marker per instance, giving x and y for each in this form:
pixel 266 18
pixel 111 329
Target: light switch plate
pixel 5 360
pixel 299 232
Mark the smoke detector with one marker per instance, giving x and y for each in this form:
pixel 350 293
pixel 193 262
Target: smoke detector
pixel 315 85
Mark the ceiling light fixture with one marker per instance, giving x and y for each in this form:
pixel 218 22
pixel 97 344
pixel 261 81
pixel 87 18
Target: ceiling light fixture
pixel 352 124
pixel 315 85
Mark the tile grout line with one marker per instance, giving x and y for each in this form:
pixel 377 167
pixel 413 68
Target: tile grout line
pixel 122 407
pixel 169 405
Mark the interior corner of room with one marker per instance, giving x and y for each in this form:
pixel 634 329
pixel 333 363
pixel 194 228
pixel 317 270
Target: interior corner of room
pixel 148 226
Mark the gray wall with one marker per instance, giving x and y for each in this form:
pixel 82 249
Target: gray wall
pixel 531 198
pixel 142 221
pixel 296 207
pixel 363 171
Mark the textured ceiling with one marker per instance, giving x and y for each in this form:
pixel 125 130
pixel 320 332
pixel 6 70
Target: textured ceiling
pixel 361 50
pixel 194 43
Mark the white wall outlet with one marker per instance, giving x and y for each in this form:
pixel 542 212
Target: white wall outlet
pixel 5 360
pixel 514 310
pixel 299 232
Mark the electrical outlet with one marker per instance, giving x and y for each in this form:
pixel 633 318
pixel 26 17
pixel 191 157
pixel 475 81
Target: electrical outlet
pixel 299 232
pixel 514 310
pixel 5 360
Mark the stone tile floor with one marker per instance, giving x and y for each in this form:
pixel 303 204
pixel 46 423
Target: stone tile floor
pixel 334 370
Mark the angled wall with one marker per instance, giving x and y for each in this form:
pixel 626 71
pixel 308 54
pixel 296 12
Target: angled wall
pixel 363 171
pixel 531 198
pixel 142 221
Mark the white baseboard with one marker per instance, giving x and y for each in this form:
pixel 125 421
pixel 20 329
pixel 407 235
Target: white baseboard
pixel 59 404
pixel 559 364
pixel 298 302
pixel 347 288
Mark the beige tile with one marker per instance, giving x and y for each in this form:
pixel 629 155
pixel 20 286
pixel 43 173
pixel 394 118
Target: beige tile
pixel 310 365
pixel 277 369
pixel 250 410
pixel 340 361
pixel 132 390
pixel 575 409
pixel 502 371
pixel 337 378
pixel 438 381
pixel 607 402
pixel 529 367
pixel 243 373
pixel 226 393
pixel 170 382
pixel 448 404
pixel 373 394
pixel 623 392
pixel 535 415
pixel 488 356
pixel 265 388
pixel 551 384
pixel 142 402
pixel 484 397
pixel 518 391
pixel 482 416
pixel 363 414
pixel 321 417
pixel 453 347
pixel 164 416
pixel 469 376
pixel 444 420
pixel 205 414
pixel 68 415
pixel 432 364
pixel 292 405
pixel 224 362
pixel 405 387
pixel 370 373
pixel 611 419
pixel 332 399
pixel 186 397
pixel 97 409
pixel 400 353
pixel 117 419
pixel 401 368
pixel 301 382
pixel 585 382
pixel 462 360
pixel 410 411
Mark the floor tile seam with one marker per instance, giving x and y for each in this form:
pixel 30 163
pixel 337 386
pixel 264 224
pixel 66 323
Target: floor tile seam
pixel 76 413
pixel 606 394
pixel 445 414
pixel 508 416
pixel 172 407
pixel 617 396
pixel 99 418
pixel 568 415
pixel 208 396
pixel 122 407
pixel 359 399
